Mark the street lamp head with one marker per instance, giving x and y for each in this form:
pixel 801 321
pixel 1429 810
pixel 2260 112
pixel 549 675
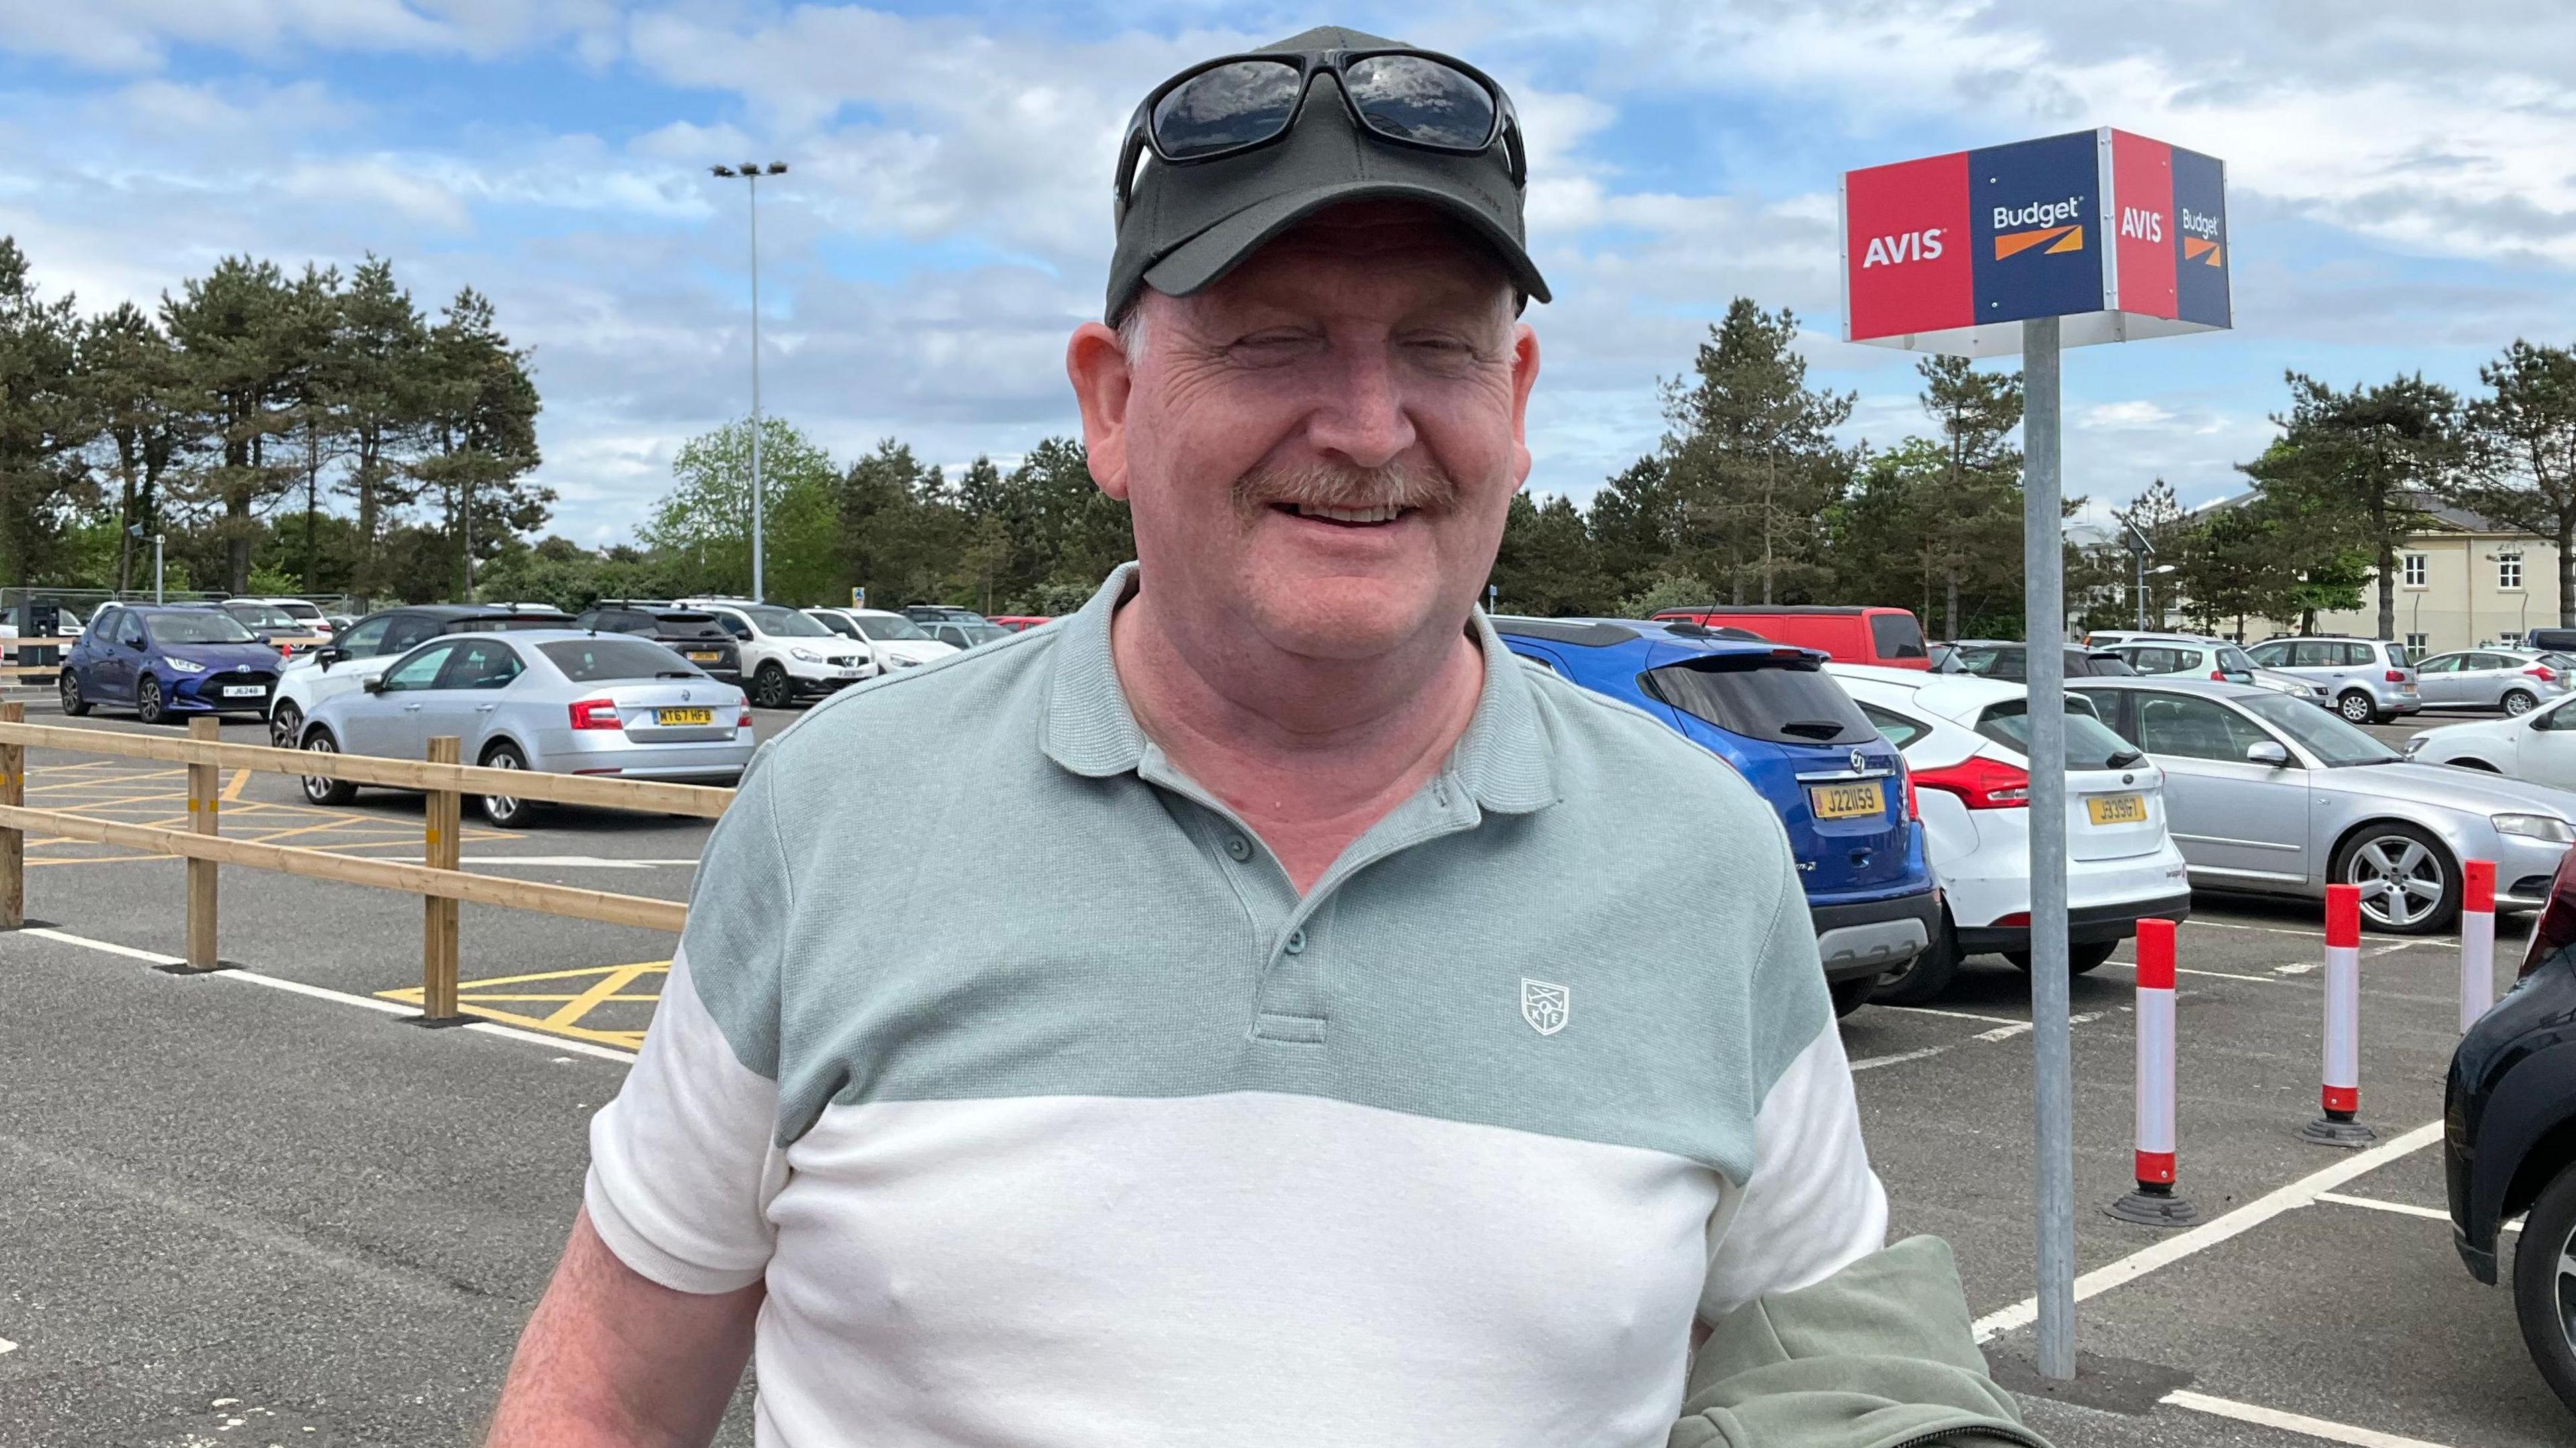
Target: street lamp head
pixel 777 168
pixel 721 170
pixel 751 168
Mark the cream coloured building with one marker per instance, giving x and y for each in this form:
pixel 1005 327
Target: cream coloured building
pixel 2462 582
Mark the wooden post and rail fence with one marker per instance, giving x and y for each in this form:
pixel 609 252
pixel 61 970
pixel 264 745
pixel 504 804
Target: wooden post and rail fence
pixel 440 879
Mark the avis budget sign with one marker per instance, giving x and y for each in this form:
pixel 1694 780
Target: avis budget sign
pixel 2121 236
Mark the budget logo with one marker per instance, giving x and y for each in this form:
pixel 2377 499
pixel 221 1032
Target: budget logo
pixel 2052 226
pixel 2200 238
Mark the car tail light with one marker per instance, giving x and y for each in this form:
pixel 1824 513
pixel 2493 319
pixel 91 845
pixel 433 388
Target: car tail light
pixel 2219 674
pixel 1913 805
pixel 596 714
pixel 2017 920
pixel 1981 783
pixel 2396 676
pixel 2556 928
pixel 2542 672
pixel 745 721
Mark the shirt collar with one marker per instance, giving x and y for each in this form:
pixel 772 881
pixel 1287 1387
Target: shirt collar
pixel 1505 760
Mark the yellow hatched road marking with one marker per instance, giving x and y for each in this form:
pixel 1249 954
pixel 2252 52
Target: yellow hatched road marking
pixel 233 790
pixel 606 984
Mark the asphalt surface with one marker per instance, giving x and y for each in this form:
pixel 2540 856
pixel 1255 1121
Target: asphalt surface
pixel 259 1207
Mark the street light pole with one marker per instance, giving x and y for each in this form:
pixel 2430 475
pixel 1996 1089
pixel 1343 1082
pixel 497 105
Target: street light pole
pixel 751 172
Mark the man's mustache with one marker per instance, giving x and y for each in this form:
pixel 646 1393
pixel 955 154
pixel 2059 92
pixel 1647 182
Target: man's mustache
pixel 1334 485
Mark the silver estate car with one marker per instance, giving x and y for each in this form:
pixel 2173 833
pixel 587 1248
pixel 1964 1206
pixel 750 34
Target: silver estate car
pixel 559 700
pixel 2268 795
pixel 2368 680
pixel 2516 681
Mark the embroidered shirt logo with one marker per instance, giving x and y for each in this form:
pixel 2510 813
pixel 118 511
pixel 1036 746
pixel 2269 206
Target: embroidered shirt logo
pixel 1545 1005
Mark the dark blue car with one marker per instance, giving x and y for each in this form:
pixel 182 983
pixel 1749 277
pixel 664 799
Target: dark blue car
pixel 161 661
pixel 1789 729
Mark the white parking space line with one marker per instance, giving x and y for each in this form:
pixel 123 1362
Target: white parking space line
pixel 2292 1422
pixel 1872 1063
pixel 6 1346
pixel 2403 1209
pixel 2209 1234
pixel 1958 1015
pixel 325 993
pixel 2005 1032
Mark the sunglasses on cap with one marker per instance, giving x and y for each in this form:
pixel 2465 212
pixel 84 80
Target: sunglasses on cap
pixel 1239 103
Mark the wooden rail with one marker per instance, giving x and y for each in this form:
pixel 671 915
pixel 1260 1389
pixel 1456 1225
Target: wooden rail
pixel 9 648
pixel 440 880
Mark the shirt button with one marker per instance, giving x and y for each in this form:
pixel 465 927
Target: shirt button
pixel 1238 846
pixel 1296 942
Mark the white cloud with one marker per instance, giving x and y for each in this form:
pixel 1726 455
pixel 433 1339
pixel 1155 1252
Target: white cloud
pixel 2136 413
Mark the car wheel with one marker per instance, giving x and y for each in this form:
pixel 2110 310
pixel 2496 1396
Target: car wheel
pixel 284 725
pixel 506 810
pixel 73 703
pixel 1927 975
pixel 318 789
pixel 1850 995
pixel 148 706
pixel 2408 884
pixel 2518 701
pixel 770 688
pixel 2081 956
pixel 2544 1285
pixel 2355 706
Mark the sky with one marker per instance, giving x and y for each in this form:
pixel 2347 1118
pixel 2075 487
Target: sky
pixel 2402 190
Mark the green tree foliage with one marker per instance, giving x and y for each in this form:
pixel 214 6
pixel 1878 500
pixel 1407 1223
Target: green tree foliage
pixel 44 420
pixel 1548 564
pixel 2364 464
pixel 705 521
pixel 2522 452
pixel 1751 455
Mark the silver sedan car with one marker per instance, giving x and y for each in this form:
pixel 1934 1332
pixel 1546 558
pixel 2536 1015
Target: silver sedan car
pixel 2271 796
pixel 563 701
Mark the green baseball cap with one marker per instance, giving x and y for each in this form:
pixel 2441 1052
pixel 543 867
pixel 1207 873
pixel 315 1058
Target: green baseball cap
pixel 1185 225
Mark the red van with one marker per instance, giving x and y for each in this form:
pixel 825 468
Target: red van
pixel 1857 635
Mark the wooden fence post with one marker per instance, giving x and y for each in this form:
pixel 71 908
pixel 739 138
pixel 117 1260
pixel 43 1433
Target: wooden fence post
pixel 205 797
pixel 13 843
pixel 442 850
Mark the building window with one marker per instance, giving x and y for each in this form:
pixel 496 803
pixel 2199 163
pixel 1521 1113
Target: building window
pixel 2413 569
pixel 2416 644
pixel 2509 572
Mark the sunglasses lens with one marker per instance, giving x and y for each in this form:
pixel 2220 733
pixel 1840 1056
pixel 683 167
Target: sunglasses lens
pixel 1232 105
pixel 1417 99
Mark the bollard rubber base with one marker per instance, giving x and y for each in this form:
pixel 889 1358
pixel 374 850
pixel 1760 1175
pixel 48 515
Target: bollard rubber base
pixel 184 968
pixel 2154 1206
pixel 2344 1132
pixel 30 923
pixel 439 1023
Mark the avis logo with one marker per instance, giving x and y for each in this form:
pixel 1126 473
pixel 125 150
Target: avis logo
pixel 1903 247
pixel 2145 223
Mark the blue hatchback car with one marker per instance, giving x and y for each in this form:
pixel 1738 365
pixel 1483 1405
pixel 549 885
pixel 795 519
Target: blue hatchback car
pixel 1791 731
pixel 162 661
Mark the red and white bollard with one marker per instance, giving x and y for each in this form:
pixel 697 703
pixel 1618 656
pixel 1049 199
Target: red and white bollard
pixel 2342 1095
pixel 2154 1203
pixel 2477 942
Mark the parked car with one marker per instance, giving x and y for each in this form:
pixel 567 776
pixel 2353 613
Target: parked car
pixel 2268 796
pixel 691 633
pixel 2201 658
pixel 363 649
pixel 963 633
pixel 785 655
pixel 926 613
pixel 2539 746
pixel 2509 1146
pixel 1858 635
pixel 553 700
pixel 275 627
pixel 68 624
pixel 2516 681
pixel 1789 728
pixel 2368 680
pixel 890 640
pixel 1966 743
pixel 307 614
pixel 162 660
pixel 2551 640
pixel 1021 622
pixel 2010 661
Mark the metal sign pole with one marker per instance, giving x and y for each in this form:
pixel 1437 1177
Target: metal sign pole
pixel 2043 572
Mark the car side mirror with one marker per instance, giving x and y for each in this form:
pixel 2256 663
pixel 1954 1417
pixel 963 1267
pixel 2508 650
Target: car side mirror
pixel 376 685
pixel 135 644
pixel 2270 752
pixel 326 656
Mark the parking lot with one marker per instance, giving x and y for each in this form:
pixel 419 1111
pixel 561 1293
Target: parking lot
pixel 262 1208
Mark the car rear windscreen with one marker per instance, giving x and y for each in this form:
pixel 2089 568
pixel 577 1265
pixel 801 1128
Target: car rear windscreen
pixel 1896 635
pixel 1783 701
pixel 604 660
pixel 2090 744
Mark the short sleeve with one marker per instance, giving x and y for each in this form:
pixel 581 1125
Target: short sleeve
pixel 683 1162
pixel 1812 1204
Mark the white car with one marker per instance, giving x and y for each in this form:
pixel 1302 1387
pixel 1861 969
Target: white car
pixel 891 640
pixel 786 654
pixel 305 612
pixel 2539 746
pixel 1964 740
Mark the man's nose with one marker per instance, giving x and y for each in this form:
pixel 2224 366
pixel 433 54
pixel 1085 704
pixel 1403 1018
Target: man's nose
pixel 1362 415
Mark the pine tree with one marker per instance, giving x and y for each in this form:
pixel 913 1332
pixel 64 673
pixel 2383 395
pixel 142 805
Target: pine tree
pixel 1751 450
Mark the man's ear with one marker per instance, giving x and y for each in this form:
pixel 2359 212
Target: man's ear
pixel 1524 377
pixel 1102 381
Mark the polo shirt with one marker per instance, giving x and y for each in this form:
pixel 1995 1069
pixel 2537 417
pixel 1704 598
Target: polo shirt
pixel 1050 1113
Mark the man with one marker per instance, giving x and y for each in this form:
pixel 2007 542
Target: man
pixel 1348 1036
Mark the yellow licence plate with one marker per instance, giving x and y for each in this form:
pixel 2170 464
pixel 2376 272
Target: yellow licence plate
pixel 703 656
pixel 684 716
pixel 2117 809
pixel 1847 801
